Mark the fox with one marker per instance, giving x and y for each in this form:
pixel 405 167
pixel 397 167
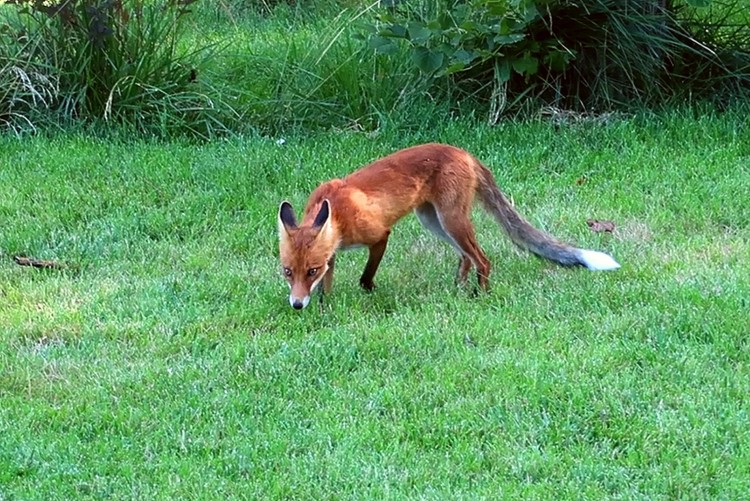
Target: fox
pixel 439 183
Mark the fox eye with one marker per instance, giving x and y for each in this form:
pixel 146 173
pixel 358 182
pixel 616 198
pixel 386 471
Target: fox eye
pixel 311 272
pixel 287 272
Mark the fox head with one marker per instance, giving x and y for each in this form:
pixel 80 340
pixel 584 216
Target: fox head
pixel 305 251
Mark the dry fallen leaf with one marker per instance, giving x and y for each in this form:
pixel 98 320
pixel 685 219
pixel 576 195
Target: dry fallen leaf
pixel 601 226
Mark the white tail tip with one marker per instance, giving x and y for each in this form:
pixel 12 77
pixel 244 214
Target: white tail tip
pixel 597 261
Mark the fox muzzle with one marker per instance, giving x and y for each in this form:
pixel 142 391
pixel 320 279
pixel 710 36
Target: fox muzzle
pixel 298 304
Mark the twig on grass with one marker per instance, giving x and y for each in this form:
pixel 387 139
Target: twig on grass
pixel 37 263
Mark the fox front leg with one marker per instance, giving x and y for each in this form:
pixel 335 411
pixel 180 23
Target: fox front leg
pixel 327 279
pixel 373 261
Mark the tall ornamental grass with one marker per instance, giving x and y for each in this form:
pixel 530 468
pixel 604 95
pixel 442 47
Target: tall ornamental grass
pixel 120 61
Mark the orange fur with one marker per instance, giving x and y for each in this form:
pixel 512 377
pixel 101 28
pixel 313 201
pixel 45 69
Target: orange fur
pixel 438 182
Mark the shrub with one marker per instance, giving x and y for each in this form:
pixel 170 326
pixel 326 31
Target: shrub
pixel 583 54
pixel 121 61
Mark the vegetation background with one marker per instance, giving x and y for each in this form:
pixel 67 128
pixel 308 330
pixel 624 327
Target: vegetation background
pixel 209 69
pixel 145 149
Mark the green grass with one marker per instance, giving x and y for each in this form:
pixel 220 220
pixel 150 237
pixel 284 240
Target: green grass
pixel 306 71
pixel 165 361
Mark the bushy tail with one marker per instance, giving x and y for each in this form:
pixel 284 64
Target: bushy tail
pixel 524 235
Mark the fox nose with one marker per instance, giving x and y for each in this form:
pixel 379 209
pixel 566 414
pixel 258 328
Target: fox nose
pixel 298 303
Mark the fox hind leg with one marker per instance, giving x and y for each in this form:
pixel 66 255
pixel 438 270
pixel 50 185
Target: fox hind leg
pixel 429 218
pixel 454 221
pixel 464 266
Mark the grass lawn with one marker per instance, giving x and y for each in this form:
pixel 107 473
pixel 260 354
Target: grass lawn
pixel 164 360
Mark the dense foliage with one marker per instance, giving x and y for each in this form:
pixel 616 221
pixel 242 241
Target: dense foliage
pixel 208 68
pixel 590 53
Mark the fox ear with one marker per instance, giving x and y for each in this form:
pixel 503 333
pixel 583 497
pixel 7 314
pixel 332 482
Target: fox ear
pixel 287 221
pixel 323 215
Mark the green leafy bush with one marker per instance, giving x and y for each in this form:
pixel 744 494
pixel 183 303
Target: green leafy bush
pixel 449 37
pixel 121 61
pixel 582 54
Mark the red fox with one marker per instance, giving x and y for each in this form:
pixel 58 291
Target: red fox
pixel 436 181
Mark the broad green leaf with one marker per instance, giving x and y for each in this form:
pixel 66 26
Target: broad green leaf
pixel 463 56
pixel 382 45
pixel 426 60
pixel 459 14
pixel 454 68
pixel 530 13
pixel 457 39
pixel 418 32
pixel 558 60
pixel 526 65
pixel 435 27
pixel 502 70
pixel 509 39
pixel 509 25
pixel 469 26
pixel 393 31
pixel 497 8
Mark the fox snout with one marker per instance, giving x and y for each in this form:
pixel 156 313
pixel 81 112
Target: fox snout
pixel 297 303
pixel 300 290
pixel 299 294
